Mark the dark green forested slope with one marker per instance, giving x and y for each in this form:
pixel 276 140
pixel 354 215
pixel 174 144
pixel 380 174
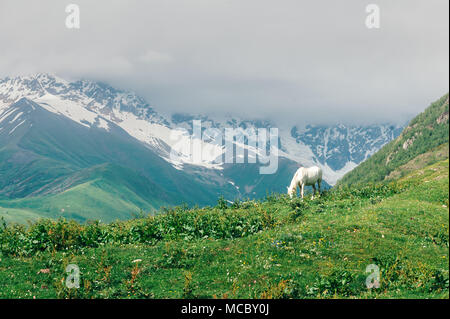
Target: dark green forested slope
pixel 425 136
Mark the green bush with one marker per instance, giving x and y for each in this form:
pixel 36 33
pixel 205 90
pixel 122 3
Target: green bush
pixel 339 282
pixel 176 223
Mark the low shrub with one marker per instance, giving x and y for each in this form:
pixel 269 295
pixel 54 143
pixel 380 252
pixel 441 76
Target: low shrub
pixel 177 223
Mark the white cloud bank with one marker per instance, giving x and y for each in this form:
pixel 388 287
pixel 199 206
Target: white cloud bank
pixel 289 60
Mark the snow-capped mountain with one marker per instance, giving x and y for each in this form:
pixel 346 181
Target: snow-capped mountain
pixel 85 150
pixel 337 148
pixel 339 145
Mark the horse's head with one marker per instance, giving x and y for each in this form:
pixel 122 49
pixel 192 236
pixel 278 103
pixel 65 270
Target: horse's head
pixel 290 191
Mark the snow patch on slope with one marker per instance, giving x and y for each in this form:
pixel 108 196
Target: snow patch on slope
pixel 336 149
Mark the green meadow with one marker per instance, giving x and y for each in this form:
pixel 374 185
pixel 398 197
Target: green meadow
pixel 273 248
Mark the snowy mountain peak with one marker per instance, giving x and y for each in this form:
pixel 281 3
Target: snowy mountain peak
pixel 336 148
pixel 336 145
pixel 95 96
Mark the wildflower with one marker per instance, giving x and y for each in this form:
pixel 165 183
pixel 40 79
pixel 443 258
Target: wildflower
pixel 44 271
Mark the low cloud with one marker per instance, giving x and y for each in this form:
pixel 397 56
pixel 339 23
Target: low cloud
pixel 291 61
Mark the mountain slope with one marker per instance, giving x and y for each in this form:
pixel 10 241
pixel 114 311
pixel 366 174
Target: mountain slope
pixel 426 134
pixel 46 156
pixel 105 192
pixel 72 148
pixel 336 148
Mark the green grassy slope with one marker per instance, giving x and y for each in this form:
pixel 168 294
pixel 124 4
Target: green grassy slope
pixel 276 248
pixel 434 155
pixel 17 215
pixel 101 193
pixel 425 133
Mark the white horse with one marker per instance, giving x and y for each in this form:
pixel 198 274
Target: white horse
pixel 305 177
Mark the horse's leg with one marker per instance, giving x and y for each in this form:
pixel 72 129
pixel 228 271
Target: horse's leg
pixel 319 182
pixel 302 187
pixel 314 190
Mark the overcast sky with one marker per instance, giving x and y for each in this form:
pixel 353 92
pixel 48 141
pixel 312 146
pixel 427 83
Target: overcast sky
pixel 288 60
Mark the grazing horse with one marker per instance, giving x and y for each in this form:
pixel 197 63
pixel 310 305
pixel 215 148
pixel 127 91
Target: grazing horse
pixel 305 177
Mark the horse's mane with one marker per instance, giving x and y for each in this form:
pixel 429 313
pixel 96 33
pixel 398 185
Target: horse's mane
pixel 294 179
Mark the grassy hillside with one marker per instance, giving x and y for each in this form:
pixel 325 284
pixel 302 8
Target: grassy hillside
pixel 101 193
pixel 276 248
pixel 426 133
